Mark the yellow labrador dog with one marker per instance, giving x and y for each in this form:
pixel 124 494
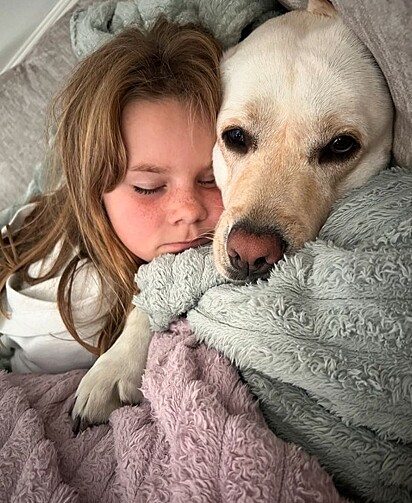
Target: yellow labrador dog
pixel 306 116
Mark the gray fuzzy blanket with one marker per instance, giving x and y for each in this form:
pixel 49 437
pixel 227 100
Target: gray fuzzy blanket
pixel 94 26
pixel 326 342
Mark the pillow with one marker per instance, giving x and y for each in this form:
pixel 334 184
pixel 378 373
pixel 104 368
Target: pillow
pixel 25 94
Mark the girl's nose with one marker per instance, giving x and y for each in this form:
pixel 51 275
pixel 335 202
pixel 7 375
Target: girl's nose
pixel 186 207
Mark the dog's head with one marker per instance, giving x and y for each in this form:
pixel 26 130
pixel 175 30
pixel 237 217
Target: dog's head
pixel 306 116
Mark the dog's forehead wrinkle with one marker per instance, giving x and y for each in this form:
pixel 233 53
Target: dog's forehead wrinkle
pixel 270 111
pixel 335 68
pixel 313 91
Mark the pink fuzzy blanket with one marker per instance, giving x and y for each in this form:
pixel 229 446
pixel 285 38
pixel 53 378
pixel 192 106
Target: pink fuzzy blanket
pixel 198 437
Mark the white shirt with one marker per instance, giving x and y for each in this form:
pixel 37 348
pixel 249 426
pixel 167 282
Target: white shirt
pixel 35 330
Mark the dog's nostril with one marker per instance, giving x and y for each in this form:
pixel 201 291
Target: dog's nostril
pixel 258 268
pixel 259 262
pixel 239 264
pixel 253 255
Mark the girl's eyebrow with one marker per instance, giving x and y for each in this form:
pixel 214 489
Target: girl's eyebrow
pixel 149 168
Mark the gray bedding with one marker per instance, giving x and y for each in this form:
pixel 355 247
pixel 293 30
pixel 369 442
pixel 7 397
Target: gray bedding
pixel 326 342
pixel 376 461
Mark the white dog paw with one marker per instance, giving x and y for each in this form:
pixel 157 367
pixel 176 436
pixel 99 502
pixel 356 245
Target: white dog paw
pixel 109 384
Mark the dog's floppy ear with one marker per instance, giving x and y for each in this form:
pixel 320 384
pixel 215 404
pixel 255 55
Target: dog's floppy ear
pixel 322 7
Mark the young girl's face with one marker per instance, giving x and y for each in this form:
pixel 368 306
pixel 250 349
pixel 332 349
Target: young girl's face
pixel 169 200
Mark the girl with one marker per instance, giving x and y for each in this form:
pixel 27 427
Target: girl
pixel 132 151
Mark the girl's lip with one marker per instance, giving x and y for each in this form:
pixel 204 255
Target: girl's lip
pixel 185 245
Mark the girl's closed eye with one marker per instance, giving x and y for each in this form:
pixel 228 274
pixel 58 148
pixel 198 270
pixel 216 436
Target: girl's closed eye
pixel 147 191
pixel 207 178
pixel 208 181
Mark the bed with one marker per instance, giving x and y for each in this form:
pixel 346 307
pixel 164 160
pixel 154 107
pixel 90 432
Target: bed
pixel 288 399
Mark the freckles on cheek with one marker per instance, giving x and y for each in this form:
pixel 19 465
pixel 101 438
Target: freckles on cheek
pixel 148 216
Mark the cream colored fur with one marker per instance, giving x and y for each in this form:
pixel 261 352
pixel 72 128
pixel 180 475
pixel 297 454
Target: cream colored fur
pixel 293 85
pixel 296 83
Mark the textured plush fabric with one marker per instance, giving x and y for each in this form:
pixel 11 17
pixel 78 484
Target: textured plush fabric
pixel 326 342
pixel 96 25
pixel 25 93
pixel 199 436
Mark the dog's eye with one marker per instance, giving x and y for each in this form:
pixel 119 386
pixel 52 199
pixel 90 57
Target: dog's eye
pixel 236 139
pixel 342 144
pixel 339 149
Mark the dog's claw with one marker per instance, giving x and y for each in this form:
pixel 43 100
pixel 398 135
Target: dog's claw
pixel 80 424
pixel 77 425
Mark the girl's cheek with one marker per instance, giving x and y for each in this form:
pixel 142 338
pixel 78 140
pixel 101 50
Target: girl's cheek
pixel 149 212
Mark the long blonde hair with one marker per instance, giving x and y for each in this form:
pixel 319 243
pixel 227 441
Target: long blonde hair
pixel 89 155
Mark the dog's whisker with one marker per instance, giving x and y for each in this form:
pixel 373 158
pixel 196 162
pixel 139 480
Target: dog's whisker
pixel 206 234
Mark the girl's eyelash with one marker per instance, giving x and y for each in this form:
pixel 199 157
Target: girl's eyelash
pixel 146 192
pixel 207 182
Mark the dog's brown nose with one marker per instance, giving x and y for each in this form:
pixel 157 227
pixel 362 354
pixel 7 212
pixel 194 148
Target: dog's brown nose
pixel 253 254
